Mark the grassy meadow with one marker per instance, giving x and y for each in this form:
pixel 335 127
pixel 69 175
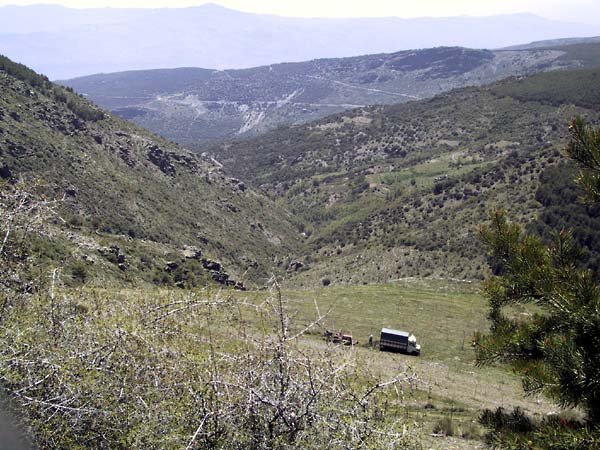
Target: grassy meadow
pixel 82 360
pixel 443 315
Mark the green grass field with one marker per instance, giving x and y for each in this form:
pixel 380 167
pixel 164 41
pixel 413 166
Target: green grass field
pixel 174 332
pixel 156 345
pixel 443 315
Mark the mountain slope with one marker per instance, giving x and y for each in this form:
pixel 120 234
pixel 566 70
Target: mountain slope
pixel 190 105
pixel 397 191
pixel 120 180
pixel 65 43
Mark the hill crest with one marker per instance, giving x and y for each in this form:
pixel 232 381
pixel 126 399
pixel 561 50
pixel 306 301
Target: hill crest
pixel 194 105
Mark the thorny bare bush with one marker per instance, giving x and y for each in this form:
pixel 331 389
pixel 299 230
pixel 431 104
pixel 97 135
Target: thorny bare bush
pixel 22 215
pixel 275 393
pixel 195 370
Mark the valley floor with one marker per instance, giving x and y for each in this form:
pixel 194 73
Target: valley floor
pixel 150 365
pixel 443 315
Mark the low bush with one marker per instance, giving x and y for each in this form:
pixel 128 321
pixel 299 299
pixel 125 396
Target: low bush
pixel 516 431
pixel 444 426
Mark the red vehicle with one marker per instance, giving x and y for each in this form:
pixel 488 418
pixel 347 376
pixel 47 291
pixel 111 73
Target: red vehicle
pixel 338 337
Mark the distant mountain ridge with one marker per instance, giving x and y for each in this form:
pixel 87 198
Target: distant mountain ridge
pixel 555 43
pixel 192 105
pixel 65 43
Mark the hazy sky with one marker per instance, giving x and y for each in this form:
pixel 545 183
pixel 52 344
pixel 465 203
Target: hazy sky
pixel 571 10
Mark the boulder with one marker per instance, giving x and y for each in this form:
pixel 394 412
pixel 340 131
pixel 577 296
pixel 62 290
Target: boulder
pixel 161 160
pixel 221 278
pixel 171 266
pixel 211 265
pixel 5 172
pixel 192 253
pixel 295 266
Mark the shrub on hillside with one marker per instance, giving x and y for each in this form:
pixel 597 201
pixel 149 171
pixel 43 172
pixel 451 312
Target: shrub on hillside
pixel 516 431
pixel 100 369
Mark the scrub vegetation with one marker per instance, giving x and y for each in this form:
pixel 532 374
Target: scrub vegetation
pixel 155 298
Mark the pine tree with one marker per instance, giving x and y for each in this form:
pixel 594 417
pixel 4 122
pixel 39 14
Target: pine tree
pixel 557 347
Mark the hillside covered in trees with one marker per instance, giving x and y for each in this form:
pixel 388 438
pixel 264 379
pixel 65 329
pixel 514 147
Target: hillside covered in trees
pixel 96 213
pixel 397 191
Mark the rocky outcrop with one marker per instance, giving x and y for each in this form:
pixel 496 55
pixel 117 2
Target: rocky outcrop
pixel 181 270
pixel 5 172
pixel 295 266
pixel 113 254
pixel 192 253
pixel 210 265
pixel 161 159
pixel 171 266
